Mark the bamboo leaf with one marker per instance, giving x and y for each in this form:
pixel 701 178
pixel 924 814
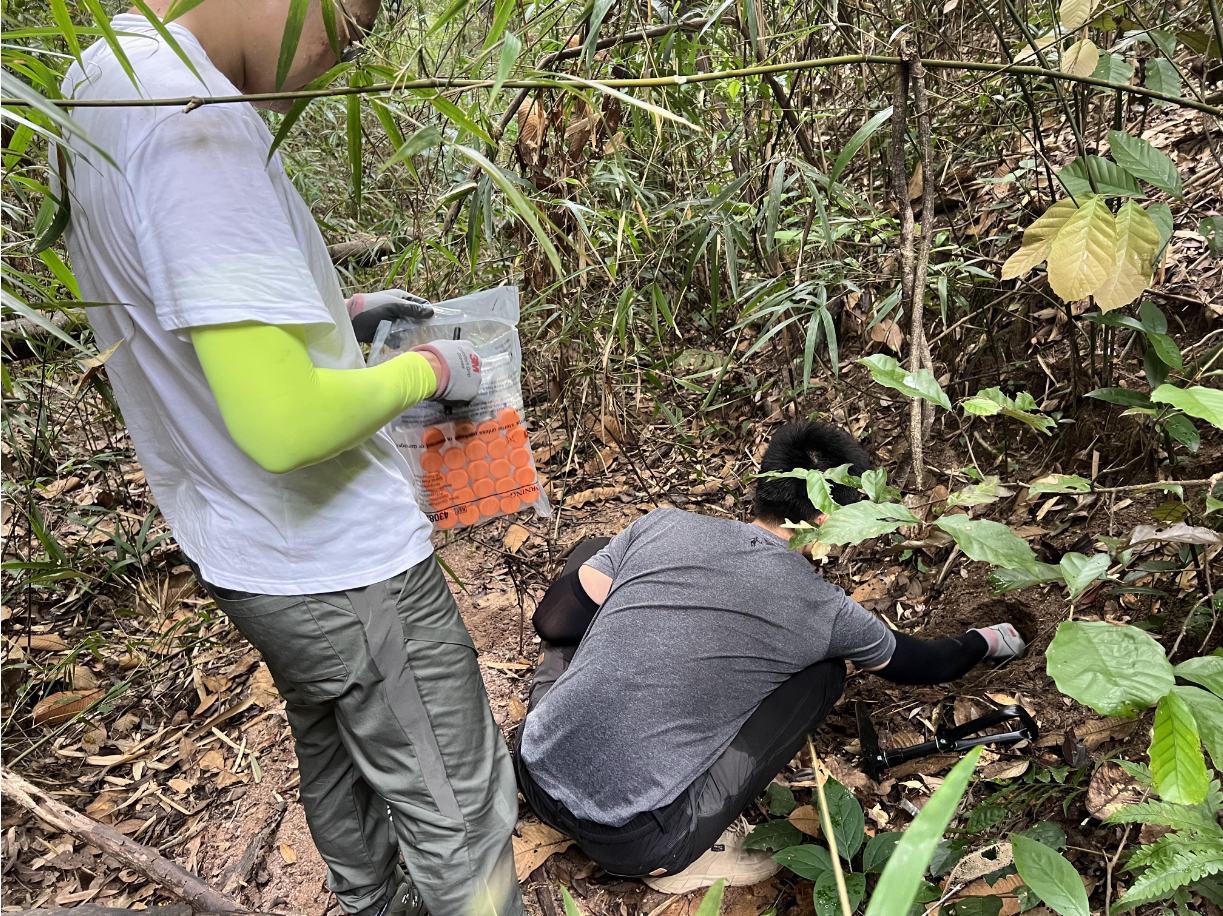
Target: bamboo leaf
pixel 12 302
pixel 292 36
pixel 1144 162
pixel 857 141
pixel 1137 241
pixel 449 13
pixel 1084 252
pixel 505 64
pixel 502 17
pixel 597 14
pixel 178 7
pixel 353 136
pixel 420 141
pixel 1038 239
pixel 112 40
pixel 456 114
pixel 167 37
pixel 64 20
pixel 327 8
pixel 639 103
pixel 773 208
pixel 53 113
pixel 1177 762
pixel 299 105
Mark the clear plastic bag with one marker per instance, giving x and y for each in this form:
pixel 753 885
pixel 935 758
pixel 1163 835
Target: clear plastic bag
pixel 470 462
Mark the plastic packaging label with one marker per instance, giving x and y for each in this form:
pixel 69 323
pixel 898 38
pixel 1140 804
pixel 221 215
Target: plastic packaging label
pixel 470 462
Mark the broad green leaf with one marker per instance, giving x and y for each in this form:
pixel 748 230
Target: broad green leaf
pixel 1203 403
pixel 1080 571
pixel 857 141
pixel 1137 242
pixel 1038 239
pixel 1206 670
pixel 819 494
pixel 879 849
pixel 505 64
pixel 988 541
pixel 780 798
pixel 1081 58
pixel 828 901
pixel 807 861
pixel 1164 39
pixel 1144 162
pixel 1176 753
pixel 861 521
pixel 875 485
pixel 167 37
pixel 1048 873
pixel 1083 253
pixel 1113 69
pixel 848 822
pixel 902 876
pixel 1123 397
pixel 1162 214
pixel 982 493
pixel 1109 178
pixel 1162 77
pixel 985 905
pixel 921 384
pixel 711 903
pixel 1207 712
pixel 289 41
pixel 773 836
pixel 1060 483
pixel 1073 14
pixel 1046 832
pixel 1200 43
pixel 1181 428
pixel 1117 671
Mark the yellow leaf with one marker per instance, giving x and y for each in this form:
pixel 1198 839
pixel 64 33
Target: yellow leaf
pixel 1081 58
pixel 1084 251
pixel 288 854
pixel 1075 13
pixel 534 846
pixel 1137 242
pixel 1038 239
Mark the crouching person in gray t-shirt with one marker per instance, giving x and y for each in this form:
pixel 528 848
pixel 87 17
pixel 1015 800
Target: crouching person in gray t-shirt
pixel 684 663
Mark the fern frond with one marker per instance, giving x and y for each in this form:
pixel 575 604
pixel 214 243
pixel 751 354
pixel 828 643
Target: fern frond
pixel 1171 862
pixel 1193 818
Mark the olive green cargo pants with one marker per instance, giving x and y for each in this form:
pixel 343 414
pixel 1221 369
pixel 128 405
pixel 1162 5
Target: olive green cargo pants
pixel 387 707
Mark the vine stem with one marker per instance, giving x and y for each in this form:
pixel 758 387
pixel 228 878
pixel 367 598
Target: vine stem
pixel 458 84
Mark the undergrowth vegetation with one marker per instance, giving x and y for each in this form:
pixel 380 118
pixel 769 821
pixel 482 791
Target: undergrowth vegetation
pixel 982 234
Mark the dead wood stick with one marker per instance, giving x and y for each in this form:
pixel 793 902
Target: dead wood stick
pixel 926 151
pixel 235 877
pixel 146 861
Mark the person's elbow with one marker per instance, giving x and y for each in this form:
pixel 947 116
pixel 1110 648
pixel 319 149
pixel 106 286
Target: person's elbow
pixel 273 453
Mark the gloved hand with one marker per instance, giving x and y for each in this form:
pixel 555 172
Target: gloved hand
pixel 1004 641
pixel 459 379
pixel 368 310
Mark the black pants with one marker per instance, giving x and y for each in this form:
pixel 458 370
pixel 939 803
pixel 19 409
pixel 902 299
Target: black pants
pixel 674 836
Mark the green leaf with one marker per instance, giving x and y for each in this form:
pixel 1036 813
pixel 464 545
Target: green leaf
pixel 571 907
pixel 1074 14
pixel 848 822
pixel 1162 77
pixel 178 7
pixel 353 135
pixel 1181 428
pixel 1203 403
pixel 780 798
pixel 986 491
pixel 1211 229
pixel 1112 69
pixel 946 855
pixel 425 138
pixel 1060 483
pixel 1176 753
pixel 902 876
pixel 64 21
pixel 875 484
pixel 289 41
pixel 1206 670
pixel 1207 712
pixel 879 849
pixel 1178 817
pixel 986 905
pixel 505 64
pixel 773 836
pixel 711 903
pixel 1170 862
pixel 808 861
pixel 167 37
pixel 1117 671
pixel 1137 243
pixel 327 10
pixel 828 901
pixel 860 521
pixel 1084 251
pixel 1079 571
pixel 505 9
pixel 102 20
pixel 857 141
pixel 1144 162
pixel 1121 396
pixel 447 14
pixel 1162 214
pixel 988 541
pixel 449 109
pixel 1009 580
pixel 921 384
pixel 1048 873
pixel 597 14
pixel 1110 179
pixel 819 494
pixel 1046 832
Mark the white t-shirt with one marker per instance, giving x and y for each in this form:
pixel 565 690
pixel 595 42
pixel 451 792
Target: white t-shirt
pixel 196 227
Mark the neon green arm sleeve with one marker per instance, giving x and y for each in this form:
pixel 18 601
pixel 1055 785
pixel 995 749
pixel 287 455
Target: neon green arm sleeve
pixel 285 412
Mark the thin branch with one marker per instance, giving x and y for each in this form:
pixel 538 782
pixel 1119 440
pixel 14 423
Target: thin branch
pixel 656 82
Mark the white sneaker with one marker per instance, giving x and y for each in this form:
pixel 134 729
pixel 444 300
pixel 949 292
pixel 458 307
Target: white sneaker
pixel 726 859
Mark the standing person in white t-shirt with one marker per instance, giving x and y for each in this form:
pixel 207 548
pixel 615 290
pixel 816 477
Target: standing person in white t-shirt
pixel 259 430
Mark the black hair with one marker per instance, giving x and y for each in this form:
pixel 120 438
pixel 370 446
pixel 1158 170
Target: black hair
pixel 806 444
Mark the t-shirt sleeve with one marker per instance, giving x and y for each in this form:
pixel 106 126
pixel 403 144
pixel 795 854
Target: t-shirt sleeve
pixel 860 636
pixel 214 238
pixel 610 559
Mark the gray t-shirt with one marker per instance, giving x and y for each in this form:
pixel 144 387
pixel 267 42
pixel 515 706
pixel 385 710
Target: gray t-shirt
pixel 705 618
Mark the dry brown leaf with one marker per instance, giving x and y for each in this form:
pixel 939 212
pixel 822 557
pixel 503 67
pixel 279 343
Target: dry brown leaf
pixel 806 819
pixel 965 710
pixel 83 678
pixel 43 642
pixel 62 706
pixel 227 779
pixel 287 853
pixel 1110 790
pixel 518 711
pixel 981 863
pixel 213 761
pixel 1096 732
pixel 515 537
pixel 915 183
pixel 593 495
pixel 535 845
pixel 60 487
pixel 181 785
pixel 888 333
pixel 103 805
pixel 532 120
pixel 1006 768
pixel 263 689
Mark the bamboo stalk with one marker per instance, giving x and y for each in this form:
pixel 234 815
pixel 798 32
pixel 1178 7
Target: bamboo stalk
pixel 457 84
pixel 829 835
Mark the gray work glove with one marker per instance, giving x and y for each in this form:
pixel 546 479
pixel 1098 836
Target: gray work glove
pixel 1004 641
pixel 368 310
pixel 459 380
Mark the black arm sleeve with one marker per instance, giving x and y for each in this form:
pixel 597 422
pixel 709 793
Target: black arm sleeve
pixel 564 612
pixel 919 662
